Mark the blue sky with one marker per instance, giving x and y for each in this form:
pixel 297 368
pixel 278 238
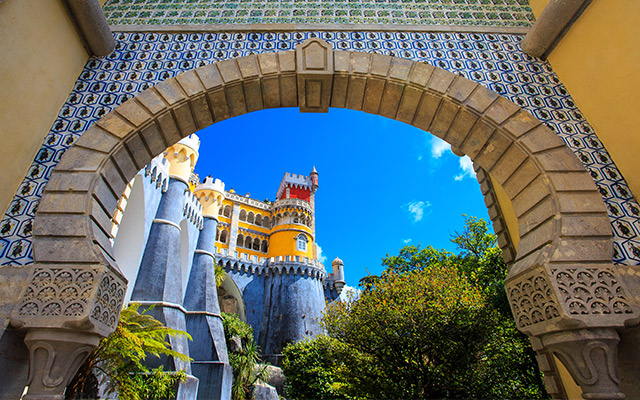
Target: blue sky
pixel 383 184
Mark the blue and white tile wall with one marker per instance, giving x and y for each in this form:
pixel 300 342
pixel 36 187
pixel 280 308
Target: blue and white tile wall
pixel 494 60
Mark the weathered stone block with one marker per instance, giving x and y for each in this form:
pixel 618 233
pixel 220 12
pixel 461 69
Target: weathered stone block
pixel 201 111
pixel 98 139
pixel 341 61
pixel 170 91
pixel 440 80
pixel 289 91
pixel 60 225
pixel 400 69
pixel 521 123
pixel 508 163
pixel 543 211
pixel 426 110
pixel 492 151
pixel 218 101
pixel 235 100
pixel 408 104
pixel 184 118
pixel 268 63
pixel 461 127
pixel 169 128
pixel 253 95
pixel 355 95
pixel 153 139
pixel 461 88
pixel 373 95
pixel 69 181
pixel 571 181
pixel 391 99
pixel 420 74
pixel 524 175
pixel 531 195
pixel 271 92
pixel 537 237
pixel 104 195
pixel 229 71
pixel 138 150
pixel 124 163
pixel 339 91
pixel 477 138
pixel 541 138
pixel 482 98
pixel 360 63
pixel 443 118
pixel 585 225
pixel 501 110
pixel 248 66
pixel 210 76
pixel 190 83
pixel 559 159
pixel 134 112
pixel 287 61
pixel 151 100
pixel 113 178
pixel 380 65
pixel 80 159
pixel 580 202
pixel 114 124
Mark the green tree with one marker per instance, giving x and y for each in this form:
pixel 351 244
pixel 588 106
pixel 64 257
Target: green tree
pixel 243 356
pixel 119 358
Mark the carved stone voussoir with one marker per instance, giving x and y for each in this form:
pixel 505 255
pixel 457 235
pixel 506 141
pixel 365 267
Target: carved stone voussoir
pixel 78 297
pixel 314 64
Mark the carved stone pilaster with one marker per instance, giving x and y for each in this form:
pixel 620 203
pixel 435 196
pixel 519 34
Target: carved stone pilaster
pixel 54 358
pixel 590 355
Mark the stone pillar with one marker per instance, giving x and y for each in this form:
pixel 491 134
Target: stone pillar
pixel 159 281
pixel 208 349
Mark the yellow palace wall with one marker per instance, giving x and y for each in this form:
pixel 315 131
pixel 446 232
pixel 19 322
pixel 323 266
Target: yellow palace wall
pixel 42 56
pixel 598 62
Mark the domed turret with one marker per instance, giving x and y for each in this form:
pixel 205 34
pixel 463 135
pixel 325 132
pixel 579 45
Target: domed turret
pixel 210 193
pixel 338 274
pixel 182 157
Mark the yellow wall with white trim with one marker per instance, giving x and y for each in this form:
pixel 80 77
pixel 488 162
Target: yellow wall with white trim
pixel 42 57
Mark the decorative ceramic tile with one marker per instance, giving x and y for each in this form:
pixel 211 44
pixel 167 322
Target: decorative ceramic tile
pixel 496 61
pixel 514 13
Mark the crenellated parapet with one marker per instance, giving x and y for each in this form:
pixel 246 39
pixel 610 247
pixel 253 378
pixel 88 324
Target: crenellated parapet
pixel 192 210
pixel 262 266
pixel 210 194
pixel 158 171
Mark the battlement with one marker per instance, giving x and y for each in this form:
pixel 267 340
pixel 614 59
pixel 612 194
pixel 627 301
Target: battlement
pixel 192 141
pixel 192 209
pixel 158 170
pixel 211 184
pixel 294 181
pixel 249 264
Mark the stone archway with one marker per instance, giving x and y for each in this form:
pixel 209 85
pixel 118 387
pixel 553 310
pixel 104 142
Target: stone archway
pixel 563 288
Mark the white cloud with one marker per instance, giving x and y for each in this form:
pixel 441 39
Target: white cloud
pixel 321 257
pixel 416 209
pixel 466 165
pixel 438 147
pixel 407 241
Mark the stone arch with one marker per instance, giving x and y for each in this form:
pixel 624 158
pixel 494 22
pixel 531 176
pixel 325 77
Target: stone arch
pixel 564 230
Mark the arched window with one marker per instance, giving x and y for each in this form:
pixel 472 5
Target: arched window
pixel 301 242
pixel 218 235
pixel 266 222
pixel 227 211
pixel 251 217
pixel 240 240
pixel 223 236
pixel 247 242
pixel 256 244
pixel 221 210
pixel 278 219
pixel 243 215
pixel 258 220
pixel 294 218
pixel 265 246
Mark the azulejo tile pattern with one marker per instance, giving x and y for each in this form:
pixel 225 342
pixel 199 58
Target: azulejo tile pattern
pixel 418 12
pixel 144 59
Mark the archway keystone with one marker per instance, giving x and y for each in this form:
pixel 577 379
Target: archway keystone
pixel 562 285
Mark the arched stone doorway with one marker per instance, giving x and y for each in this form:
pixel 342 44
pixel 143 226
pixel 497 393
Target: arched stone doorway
pixel 562 285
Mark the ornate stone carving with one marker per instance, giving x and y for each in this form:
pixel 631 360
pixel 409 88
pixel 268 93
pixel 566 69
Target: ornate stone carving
pixel 532 300
pixel 590 355
pixel 54 357
pixel 78 297
pixel 591 291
